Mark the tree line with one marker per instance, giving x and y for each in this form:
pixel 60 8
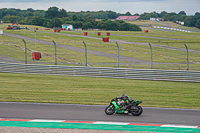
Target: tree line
pixel 55 17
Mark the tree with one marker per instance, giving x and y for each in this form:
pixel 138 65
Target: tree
pixel 125 27
pixel 197 14
pixel 182 17
pixel 11 19
pixel 162 14
pixel 128 14
pixel 135 28
pixel 129 27
pixel 193 21
pixel 90 19
pixel 174 18
pixel 187 20
pixel 40 13
pixel 182 13
pixel 30 14
pixel 87 25
pixel 35 20
pixel 77 24
pixel 112 15
pixel 168 16
pixel 136 14
pixel 30 10
pixel 74 18
pixel 62 13
pixel 52 12
pixel 56 22
pixel 198 23
pixel 111 25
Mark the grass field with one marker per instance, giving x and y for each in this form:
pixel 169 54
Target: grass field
pixel 85 90
pixel 175 59
pixel 82 90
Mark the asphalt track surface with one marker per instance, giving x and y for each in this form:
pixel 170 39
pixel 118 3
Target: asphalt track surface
pixel 96 113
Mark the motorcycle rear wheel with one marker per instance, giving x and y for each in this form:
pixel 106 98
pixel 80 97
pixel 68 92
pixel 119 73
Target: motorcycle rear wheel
pixel 109 110
pixel 138 112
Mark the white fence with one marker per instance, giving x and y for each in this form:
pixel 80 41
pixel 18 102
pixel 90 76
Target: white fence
pixel 142 74
pixel 171 28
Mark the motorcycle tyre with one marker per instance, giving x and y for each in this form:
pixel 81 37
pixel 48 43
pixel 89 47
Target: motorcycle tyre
pixel 110 112
pixel 138 113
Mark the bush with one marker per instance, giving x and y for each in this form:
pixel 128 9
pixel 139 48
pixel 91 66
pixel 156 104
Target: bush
pixel 129 27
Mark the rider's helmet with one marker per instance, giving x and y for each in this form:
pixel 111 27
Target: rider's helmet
pixel 123 95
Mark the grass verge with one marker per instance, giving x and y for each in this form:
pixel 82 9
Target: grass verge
pixel 98 91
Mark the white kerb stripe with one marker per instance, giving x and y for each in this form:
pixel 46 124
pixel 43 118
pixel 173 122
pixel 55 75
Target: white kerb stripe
pixel 40 120
pixel 180 126
pixel 112 123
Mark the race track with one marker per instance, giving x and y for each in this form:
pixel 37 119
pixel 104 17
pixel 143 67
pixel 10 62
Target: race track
pixel 96 113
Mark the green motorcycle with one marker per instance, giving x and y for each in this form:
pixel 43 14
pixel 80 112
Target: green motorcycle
pixel 119 107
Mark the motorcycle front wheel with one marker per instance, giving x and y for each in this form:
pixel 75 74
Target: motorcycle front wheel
pixel 137 111
pixel 109 110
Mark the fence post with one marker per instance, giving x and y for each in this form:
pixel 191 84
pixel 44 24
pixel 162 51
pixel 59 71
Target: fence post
pixel 151 56
pixel 35 39
pixel 117 54
pixel 187 56
pixel 25 51
pixel 55 52
pixel 85 53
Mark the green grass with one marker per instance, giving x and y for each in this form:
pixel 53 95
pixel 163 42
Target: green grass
pixel 98 91
pixel 10 50
pixel 147 23
pixel 137 51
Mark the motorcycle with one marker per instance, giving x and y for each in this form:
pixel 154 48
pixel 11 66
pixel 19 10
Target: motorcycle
pixel 119 107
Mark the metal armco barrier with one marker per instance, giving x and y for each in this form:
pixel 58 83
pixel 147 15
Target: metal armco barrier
pixel 142 74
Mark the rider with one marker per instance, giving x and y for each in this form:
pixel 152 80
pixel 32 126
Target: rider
pixel 127 100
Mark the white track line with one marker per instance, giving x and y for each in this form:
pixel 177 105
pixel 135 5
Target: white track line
pixel 112 123
pixel 42 120
pixel 179 126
